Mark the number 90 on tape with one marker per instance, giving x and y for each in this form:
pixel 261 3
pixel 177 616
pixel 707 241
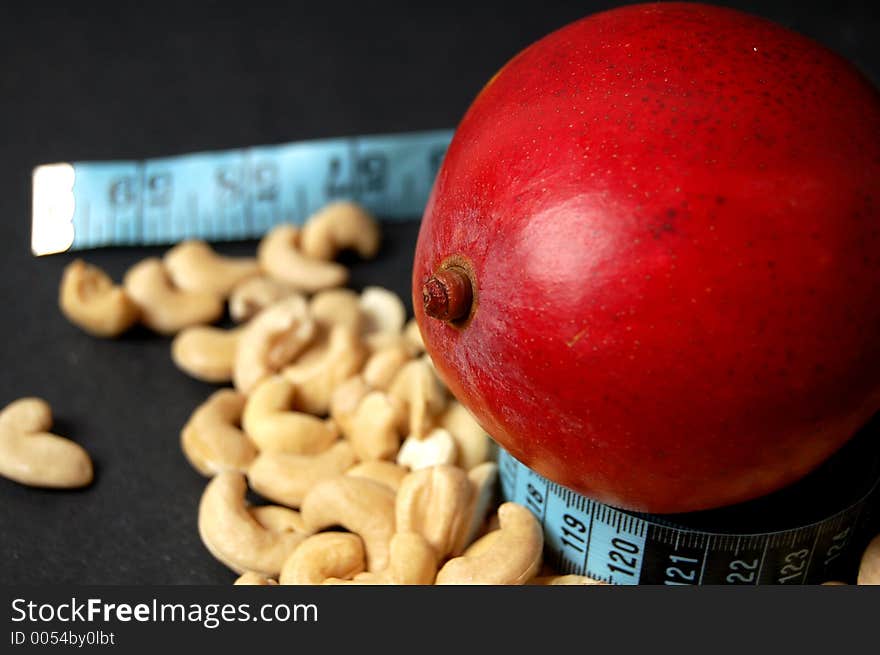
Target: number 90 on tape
pixel 585 537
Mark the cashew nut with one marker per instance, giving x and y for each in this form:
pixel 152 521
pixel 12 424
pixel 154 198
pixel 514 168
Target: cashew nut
pixel 254 294
pixel 372 429
pixel 435 502
pixel 280 257
pixel 31 455
pixel 89 299
pixel 869 568
pixel 337 306
pixel 383 311
pixel 345 399
pixel 417 387
pixel 412 561
pixel 269 420
pixel 279 519
pixel 322 556
pixel 437 448
pixel 252 578
pixel 482 478
pixel 483 544
pixel 474 445
pixel 195 266
pixel 164 307
pixel 383 365
pixel 286 478
pixel 321 368
pixel 211 439
pixel 234 536
pixel 514 557
pixel 205 352
pixel 340 226
pixel 271 341
pixel 360 506
pixel 388 473
pixel 413 337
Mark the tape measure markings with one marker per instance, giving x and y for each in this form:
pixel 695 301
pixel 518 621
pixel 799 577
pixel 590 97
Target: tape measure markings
pixel 586 537
pixel 231 194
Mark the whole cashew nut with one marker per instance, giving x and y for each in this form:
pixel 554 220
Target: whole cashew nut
pixel 286 478
pixel 280 257
pixel 383 365
pixel 253 578
pixel 514 557
pixel 435 449
pixel 869 567
pixel 231 533
pixel 337 306
pixel 360 506
pixel 271 340
pixel 273 425
pixel 89 299
pixel 322 367
pixel 413 337
pixel 254 294
pixel 473 444
pixel 31 455
pixel 383 311
pixel 387 473
pixel 482 478
pixel 322 556
pixel 339 226
pixel 211 439
pixel 412 561
pixel 372 429
pixel 555 580
pixel 345 399
pixel 195 266
pixel 165 308
pixel 417 387
pixel 435 503
pixel 205 352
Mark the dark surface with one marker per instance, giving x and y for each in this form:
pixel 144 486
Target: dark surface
pixel 79 83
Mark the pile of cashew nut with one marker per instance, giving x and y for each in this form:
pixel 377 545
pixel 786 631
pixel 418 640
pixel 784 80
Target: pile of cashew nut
pixel 331 411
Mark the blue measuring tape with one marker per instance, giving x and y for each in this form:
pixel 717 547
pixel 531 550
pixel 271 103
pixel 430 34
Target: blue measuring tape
pixel 241 194
pixel 231 194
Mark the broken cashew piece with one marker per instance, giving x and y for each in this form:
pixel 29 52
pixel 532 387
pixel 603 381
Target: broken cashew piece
pixel 90 300
pixel 337 307
pixel 254 294
pixel 339 226
pixel 869 567
pixel 195 266
pixel 435 449
pixel 388 473
pixel 360 506
pixel 31 455
pixel 473 444
pixel 280 257
pixel 211 439
pixel 372 429
pixel 164 307
pixel 231 533
pixel 271 340
pixel 286 478
pixel 322 367
pixel 435 503
pixel 338 555
pixel 273 425
pixel 205 352
pixel 412 561
pixel 513 557
pixel 253 578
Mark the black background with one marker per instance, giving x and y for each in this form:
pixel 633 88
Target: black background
pixel 134 81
